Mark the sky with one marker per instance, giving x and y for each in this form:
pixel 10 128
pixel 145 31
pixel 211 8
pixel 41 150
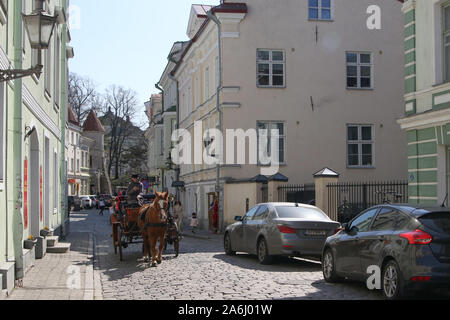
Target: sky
pixel 126 43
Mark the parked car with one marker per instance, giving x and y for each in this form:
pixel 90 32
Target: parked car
pixel 86 202
pixel 280 229
pixel 410 245
pixel 74 203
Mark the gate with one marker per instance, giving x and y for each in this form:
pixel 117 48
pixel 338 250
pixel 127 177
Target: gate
pixel 347 200
pixel 305 193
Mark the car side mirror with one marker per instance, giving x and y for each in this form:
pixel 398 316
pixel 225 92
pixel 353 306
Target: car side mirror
pixel 238 218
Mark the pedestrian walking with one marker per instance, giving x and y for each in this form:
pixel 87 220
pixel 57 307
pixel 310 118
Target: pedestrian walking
pixel 194 222
pixel 178 214
pixel 102 206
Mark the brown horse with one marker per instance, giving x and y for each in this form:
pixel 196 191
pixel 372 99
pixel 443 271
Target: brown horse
pixel 153 223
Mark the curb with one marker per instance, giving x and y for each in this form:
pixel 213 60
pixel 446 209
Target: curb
pixel 202 237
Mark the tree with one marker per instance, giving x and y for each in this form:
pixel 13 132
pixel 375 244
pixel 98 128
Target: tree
pixel 83 96
pixel 120 107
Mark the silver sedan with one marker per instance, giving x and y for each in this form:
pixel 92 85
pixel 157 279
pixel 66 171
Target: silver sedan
pixel 280 229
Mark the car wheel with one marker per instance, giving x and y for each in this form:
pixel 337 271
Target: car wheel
pixel 328 267
pixel 263 253
pixel 392 281
pixel 227 246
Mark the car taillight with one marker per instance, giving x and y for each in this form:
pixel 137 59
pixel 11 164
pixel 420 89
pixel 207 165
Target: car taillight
pixel 417 237
pixel 420 279
pixel 338 230
pixel 288 230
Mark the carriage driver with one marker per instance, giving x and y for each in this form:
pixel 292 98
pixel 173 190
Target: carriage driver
pixel 134 190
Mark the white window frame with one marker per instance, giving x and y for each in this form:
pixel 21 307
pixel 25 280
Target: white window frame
pixel 282 136
pixel 360 143
pixel 358 64
pixel 270 62
pixel 319 8
pixel 2 135
pixel 445 44
pixel 206 80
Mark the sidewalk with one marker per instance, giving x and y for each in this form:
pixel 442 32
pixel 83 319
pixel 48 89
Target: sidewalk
pixel 67 276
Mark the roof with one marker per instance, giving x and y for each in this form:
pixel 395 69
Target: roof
pixel 72 118
pixel 93 124
pixel 201 10
pixel 224 7
pixel 417 210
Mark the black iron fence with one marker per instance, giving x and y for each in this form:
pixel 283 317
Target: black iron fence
pixel 347 200
pixel 299 193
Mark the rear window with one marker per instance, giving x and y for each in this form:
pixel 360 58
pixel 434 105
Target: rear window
pixel 300 213
pixel 439 222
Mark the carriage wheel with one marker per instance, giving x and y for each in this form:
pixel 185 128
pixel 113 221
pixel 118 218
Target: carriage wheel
pixel 114 236
pixel 120 244
pixel 176 247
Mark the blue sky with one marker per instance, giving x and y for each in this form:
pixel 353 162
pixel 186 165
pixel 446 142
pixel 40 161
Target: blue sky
pixel 127 42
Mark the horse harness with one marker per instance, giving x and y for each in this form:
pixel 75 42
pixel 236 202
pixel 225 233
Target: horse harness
pixel 152 225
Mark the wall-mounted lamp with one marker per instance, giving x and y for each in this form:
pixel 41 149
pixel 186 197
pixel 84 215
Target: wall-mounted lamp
pixel 39 26
pixel 28 132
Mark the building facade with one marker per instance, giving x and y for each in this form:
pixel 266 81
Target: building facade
pixel 427 99
pixel 329 84
pixel 33 113
pixel 78 156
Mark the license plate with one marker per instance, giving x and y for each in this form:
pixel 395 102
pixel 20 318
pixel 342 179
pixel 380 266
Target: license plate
pixel 316 233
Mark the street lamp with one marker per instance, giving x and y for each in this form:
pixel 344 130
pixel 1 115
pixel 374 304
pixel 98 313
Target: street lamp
pixel 39 26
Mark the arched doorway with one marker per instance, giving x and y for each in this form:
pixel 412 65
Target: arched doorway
pixel 34 186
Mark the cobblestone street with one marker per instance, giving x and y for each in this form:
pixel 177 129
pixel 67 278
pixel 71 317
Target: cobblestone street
pixel 204 272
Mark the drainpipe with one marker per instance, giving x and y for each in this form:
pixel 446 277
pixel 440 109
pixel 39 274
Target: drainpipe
pixel 17 219
pixel 177 126
pixel 219 110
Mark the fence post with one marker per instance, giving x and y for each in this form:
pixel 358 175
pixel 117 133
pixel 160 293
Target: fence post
pixel 322 179
pixel 273 185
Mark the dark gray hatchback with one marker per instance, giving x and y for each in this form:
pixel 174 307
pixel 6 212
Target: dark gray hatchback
pixel 409 245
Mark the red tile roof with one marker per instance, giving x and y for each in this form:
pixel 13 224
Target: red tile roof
pixel 72 118
pixel 93 124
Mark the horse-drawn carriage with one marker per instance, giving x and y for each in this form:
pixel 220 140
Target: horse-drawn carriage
pixel 126 229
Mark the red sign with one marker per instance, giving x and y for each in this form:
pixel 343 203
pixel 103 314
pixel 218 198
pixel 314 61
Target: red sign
pixel 41 194
pixel 25 193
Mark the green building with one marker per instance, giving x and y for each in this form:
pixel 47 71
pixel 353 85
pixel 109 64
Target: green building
pixel 427 99
pixel 33 113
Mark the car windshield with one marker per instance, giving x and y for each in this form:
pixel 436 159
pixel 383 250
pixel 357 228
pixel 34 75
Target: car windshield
pixel 300 213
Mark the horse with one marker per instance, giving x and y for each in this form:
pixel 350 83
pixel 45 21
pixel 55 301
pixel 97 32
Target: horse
pixel 153 224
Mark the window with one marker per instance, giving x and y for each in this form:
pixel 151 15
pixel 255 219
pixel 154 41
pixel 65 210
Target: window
pixel 446 35
pixel 386 220
pixel 300 213
pixel 78 165
pixel 207 90
pixel 319 10
pixel 48 67
pixel 2 125
pixel 72 166
pixel 360 146
pixel 359 70
pixel 3 11
pixel 270 68
pixel 57 71
pixel 55 181
pixel 262 213
pixel 249 216
pixel 362 222
pixel 269 126
pixel 162 141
